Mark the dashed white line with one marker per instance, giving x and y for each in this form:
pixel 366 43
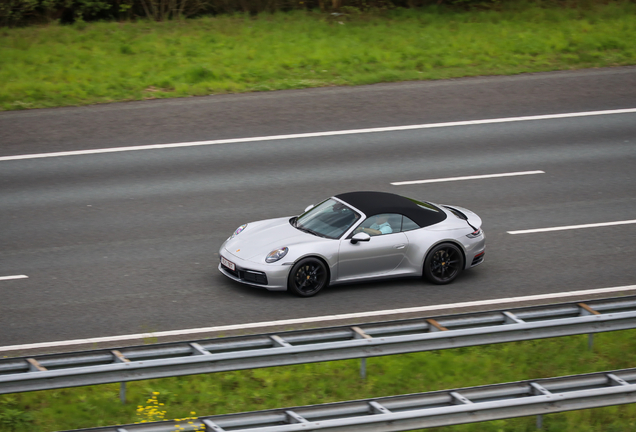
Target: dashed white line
pixel 573 227
pixel 474 177
pixel 299 321
pixel 320 134
pixel 14 277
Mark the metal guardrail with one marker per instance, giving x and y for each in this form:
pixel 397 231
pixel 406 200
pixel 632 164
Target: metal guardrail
pixel 317 345
pixel 423 410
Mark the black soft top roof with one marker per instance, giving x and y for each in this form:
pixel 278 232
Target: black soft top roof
pixel 373 203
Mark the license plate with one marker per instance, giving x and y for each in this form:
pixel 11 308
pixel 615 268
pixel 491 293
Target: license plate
pixel 228 264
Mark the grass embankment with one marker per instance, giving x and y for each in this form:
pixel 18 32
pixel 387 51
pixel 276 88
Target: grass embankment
pixel 338 381
pixel 58 65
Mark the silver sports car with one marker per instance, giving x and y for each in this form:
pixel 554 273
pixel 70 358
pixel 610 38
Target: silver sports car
pixel 355 236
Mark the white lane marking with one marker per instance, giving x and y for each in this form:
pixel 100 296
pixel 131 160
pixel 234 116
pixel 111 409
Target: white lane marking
pixel 319 134
pixel 317 319
pixel 475 177
pixel 14 277
pixel 572 227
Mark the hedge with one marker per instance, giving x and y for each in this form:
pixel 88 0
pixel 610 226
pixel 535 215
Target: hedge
pixel 25 12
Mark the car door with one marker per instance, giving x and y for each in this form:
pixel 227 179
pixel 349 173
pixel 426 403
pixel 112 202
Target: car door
pixel 380 255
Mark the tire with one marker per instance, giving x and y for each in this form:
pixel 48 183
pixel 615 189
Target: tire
pixel 307 277
pixel 443 263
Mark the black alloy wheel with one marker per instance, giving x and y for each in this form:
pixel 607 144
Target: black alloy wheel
pixel 443 263
pixel 307 277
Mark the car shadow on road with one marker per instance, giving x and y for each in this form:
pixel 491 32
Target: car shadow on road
pixel 387 292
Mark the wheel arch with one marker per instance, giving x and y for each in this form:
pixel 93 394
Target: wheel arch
pixel 451 241
pixel 318 257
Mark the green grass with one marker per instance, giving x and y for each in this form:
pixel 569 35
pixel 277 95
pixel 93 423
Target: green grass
pixel 58 65
pixel 339 381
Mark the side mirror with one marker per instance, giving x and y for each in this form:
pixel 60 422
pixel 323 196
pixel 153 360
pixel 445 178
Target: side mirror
pixel 309 207
pixel 360 237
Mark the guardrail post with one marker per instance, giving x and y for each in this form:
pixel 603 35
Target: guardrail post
pixel 586 310
pixel 358 333
pixel 118 357
pixel 536 390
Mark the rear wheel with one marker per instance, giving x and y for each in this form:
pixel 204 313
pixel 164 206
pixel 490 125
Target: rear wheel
pixel 443 263
pixel 307 277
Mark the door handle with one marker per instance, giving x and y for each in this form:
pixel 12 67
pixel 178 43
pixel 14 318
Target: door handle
pixel 399 246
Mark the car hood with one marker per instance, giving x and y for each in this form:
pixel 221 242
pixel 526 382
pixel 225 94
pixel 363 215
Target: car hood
pixel 262 237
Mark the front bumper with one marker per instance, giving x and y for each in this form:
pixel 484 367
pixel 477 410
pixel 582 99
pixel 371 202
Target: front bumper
pixel 263 275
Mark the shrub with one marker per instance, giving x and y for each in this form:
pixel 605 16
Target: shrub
pixel 19 12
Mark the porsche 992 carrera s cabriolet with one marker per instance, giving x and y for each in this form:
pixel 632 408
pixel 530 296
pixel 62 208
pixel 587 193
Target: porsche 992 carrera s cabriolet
pixel 355 236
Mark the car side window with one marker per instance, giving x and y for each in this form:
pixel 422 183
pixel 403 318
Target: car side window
pixel 381 224
pixel 408 224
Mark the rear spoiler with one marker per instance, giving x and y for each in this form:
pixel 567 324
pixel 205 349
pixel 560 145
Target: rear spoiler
pixel 460 215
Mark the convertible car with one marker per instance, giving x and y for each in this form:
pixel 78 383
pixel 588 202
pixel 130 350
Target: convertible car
pixel 355 236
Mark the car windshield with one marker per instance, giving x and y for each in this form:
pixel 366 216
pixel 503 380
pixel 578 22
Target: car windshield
pixel 329 219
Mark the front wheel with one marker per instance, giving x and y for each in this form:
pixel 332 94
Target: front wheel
pixel 443 263
pixel 307 277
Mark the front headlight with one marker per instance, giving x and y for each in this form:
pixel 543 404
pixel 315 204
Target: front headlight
pixel 237 231
pixel 277 254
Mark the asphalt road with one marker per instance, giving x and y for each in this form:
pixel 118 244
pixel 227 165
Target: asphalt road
pixel 121 243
